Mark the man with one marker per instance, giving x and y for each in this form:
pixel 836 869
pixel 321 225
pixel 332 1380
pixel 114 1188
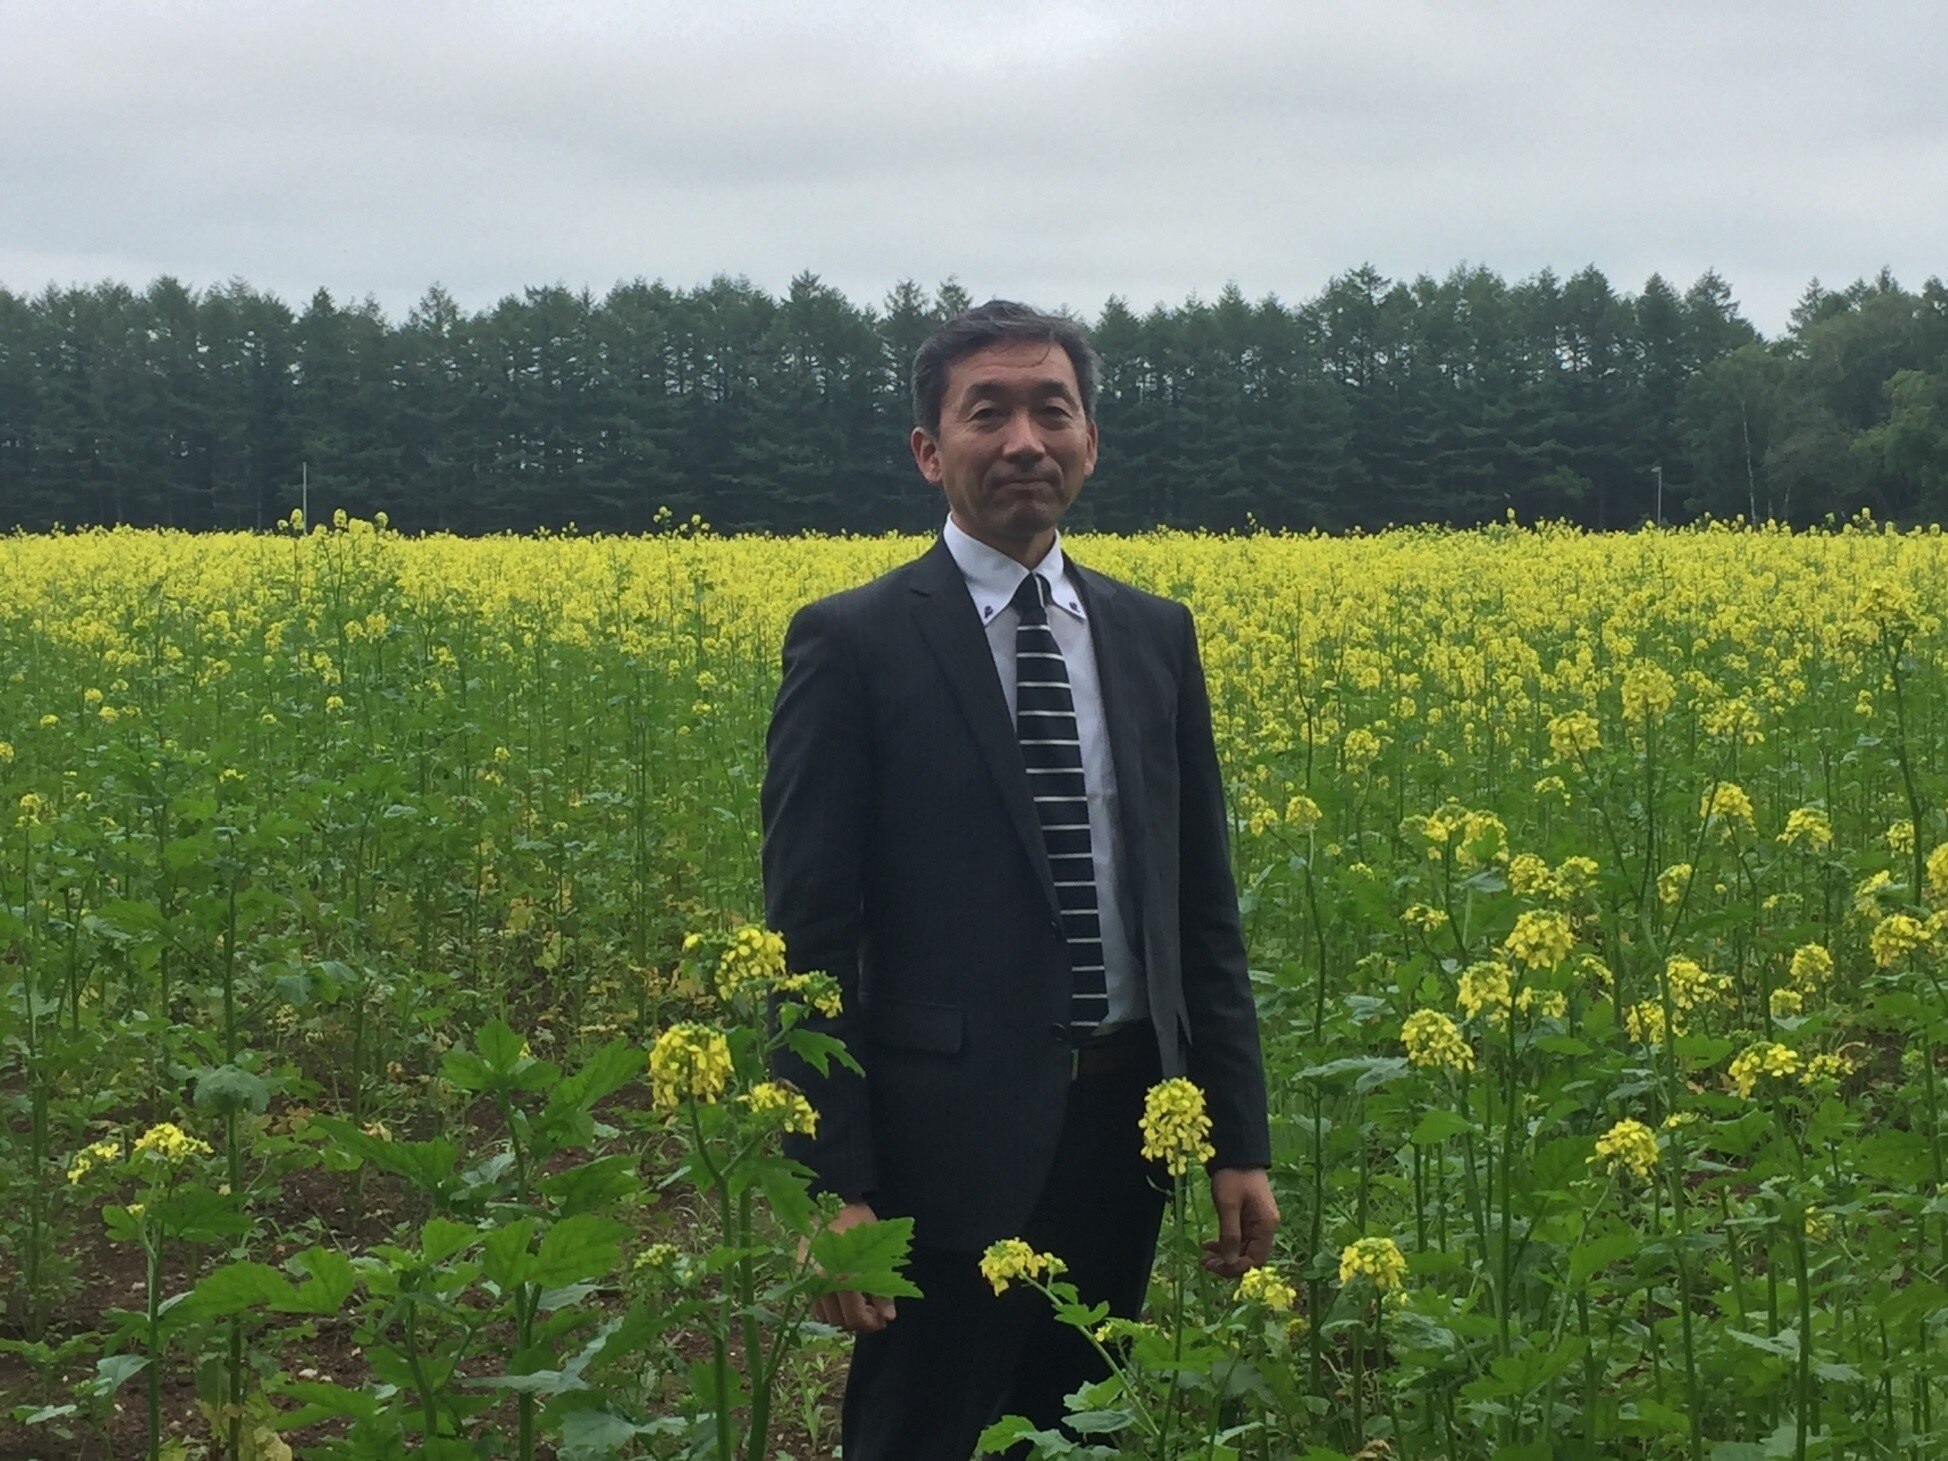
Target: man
pixel 992 811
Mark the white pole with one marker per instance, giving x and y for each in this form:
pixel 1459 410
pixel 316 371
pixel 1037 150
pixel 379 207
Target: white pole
pixel 304 499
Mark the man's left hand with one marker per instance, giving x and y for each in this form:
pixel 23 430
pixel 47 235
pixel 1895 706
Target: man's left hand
pixel 1247 1216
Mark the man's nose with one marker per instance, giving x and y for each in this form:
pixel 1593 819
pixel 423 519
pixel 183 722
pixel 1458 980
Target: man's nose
pixel 1022 439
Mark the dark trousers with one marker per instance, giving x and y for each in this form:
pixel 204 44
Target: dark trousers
pixel 960 1358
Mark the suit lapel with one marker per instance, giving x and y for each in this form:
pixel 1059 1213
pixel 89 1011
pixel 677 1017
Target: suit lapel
pixel 944 614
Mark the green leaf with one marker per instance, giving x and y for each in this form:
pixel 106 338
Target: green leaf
pixel 585 1246
pixel 600 1183
pixel 441 1238
pixel 867 1257
pixel 114 1371
pixel 228 1088
pixel 1438 1125
pixel 499 1046
pixel 818 1050
pixel 239 1287
pixel 504 1258
pixel 1588 1259
pixel 329 1282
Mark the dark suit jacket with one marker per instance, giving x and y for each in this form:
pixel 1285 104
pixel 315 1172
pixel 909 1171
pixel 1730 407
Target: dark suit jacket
pixel 902 855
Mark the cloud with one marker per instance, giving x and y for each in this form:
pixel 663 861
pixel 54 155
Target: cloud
pixel 1060 152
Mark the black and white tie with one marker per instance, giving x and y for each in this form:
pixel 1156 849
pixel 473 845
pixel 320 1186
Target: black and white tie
pixel 1051 749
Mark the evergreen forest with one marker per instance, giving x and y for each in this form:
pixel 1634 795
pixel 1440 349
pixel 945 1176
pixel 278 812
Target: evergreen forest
pixel 1450 400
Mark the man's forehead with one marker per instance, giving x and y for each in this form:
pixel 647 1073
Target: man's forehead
pixel 1038 367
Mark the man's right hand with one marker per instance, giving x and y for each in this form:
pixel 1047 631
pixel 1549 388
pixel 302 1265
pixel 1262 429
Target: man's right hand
pixel 856 1312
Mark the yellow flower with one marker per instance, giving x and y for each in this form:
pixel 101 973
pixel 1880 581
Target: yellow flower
pixel 1648 693
pixel 1529 875
pixel 1672 882
pixel 1541 939
pixel 1424 918
pixel 1693 985
pixel 689 1061
pixel 6 753
pixel 1644 1022
pixel 1897 936
pixel 1760 1060
pixel 784 1105
pixel 1485 986
pixel 1729 806
pixel 1812 966
pixel 818 989
pixel 754 958
pixel 169 1142
pixel 1574 734
pixel 1009 1259
pixel 1577 874
pixel 1866 897
pixel 1376 1259
pixel 48 722
pixel 1827 1069
pixel 334 703
pixel 1629 1146
pixel 1361 748
pixel 1433 1041
pixel 1937 874
pixel 1176 1130
pixel 1900 836
pixel 1551 1004
pixel 1302 814
pixel 95 1154
pixel 1809 825
pixel 1264 1286
pixel 657 1255
pixel 1786 1003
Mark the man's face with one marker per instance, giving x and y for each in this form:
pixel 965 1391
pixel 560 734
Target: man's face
pixel 1013 447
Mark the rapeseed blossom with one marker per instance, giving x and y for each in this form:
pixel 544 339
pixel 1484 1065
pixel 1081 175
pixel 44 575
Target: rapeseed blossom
pixel 1760 1060
pixel 1628 1146
pixel 1937 874
pixel 752 959
pixel 95 1154
pixel 168 1142
pixel 1541 939
pixel 689 1061
pixel 1176 1130
pixel 1648 693
pixel 1378 1260
pixel 1264 1287
pixel 1895 937
pixel 1573 735
pixel 1672 882
pixel 1728 807
pixel 783 1105
pixel 1809 826
pixel 1693 986
pixel 1009 1259
pixel 1434 1042
pixel 1811 967
pixel 1485 987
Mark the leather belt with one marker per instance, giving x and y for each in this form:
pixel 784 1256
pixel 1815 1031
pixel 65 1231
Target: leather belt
pixel 1118 1050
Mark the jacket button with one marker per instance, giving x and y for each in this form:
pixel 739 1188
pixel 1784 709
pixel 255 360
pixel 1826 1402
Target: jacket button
pixel 1060 1032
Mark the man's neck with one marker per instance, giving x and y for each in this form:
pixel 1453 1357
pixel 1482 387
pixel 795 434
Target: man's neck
pixel 1028 553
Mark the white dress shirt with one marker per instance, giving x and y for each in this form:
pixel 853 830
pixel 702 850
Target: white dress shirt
pixel 992 579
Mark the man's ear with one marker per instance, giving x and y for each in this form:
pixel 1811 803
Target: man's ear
pixel 926 454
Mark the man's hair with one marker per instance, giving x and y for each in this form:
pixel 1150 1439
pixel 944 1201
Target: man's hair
pixel 998 322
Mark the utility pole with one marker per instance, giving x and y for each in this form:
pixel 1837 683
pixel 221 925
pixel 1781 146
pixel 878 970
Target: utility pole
pixel 1659 470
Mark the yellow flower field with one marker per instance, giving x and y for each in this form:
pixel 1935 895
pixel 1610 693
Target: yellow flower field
pixel 1597 888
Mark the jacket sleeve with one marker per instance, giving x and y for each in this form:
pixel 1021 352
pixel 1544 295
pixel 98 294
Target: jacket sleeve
pixel 815 802
pixel 1224 1054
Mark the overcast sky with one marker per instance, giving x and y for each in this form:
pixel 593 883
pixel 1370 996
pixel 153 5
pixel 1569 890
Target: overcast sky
pixel 1059 151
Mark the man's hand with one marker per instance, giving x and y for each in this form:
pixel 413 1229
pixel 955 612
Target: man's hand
pixel 1247 1216
pixel 856 1312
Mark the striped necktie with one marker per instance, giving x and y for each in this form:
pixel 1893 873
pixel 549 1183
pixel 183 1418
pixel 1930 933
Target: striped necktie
pixel 1051 749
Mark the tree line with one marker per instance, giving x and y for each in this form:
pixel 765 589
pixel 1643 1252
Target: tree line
pixel 1437 400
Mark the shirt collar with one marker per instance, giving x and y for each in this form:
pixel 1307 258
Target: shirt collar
pixel 992 576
